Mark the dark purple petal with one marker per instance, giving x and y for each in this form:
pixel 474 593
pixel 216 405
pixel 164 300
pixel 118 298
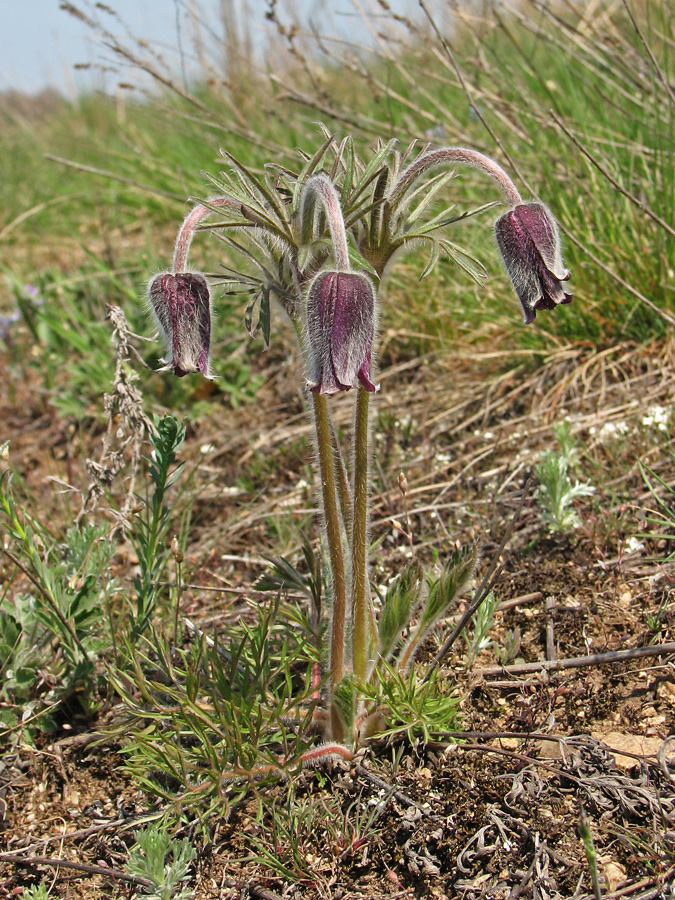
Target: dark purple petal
pixel 340 327
pixel 529 242
pixel 540 226
pixel 364 372
pixel 182 307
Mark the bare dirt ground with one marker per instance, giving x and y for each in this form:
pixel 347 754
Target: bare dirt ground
pixel 493 816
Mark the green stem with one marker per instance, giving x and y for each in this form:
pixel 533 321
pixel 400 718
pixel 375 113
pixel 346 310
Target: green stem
pixel 334 537
pixel 342 480
pixel 363 620
pixel 176 612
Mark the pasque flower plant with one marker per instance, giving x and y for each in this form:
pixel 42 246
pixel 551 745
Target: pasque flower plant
pixel 318 242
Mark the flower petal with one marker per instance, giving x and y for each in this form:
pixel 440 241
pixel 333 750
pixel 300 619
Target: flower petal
pixel 529 242
pixel 340 328
pixel 182 308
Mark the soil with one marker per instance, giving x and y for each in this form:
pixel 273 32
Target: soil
pixel 495 815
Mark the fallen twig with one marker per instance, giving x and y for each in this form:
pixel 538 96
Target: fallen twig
pixel 521 600
pixel 399 795
pixel 122 824
pixel 533 736
pixel 550 635
pixel 628 889
pixel 261 893
pixel 117 874
pixel 578 662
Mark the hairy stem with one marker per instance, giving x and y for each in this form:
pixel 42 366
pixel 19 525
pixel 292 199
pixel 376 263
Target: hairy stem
pixel 320 187
pixel 432 159
pixel 190 222
pixel 362 610
pixel 334 537
pixel 342 480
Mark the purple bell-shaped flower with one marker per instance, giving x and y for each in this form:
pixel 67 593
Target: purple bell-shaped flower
pixel 529 242
pixel 182 307
pixel 340 329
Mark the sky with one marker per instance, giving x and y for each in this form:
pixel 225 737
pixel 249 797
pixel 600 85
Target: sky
pixel 42 43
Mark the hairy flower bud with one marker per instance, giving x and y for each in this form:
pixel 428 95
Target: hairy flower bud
pixel 340 328
pixel 529 242
pixel 182 309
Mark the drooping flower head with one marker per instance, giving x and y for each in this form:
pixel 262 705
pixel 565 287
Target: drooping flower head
pixel 529 242
pixel 182 308
pixel 340 303
pixel 340 329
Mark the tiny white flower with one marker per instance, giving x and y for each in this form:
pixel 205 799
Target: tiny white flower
pixel 611 431
pixel 657 417
pixel 207 448
pixel 633 544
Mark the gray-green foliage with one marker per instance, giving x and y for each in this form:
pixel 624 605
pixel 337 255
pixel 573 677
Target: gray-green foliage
pixel 67 576
pixel 211 718
pixel 476 636
pixel 57 634
pixel 401 599
pixel 509 651
pixel 35 892
pixel 442 591
pixel 162 860
pixel 66 602
pixel 557 491
pixel 151 523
